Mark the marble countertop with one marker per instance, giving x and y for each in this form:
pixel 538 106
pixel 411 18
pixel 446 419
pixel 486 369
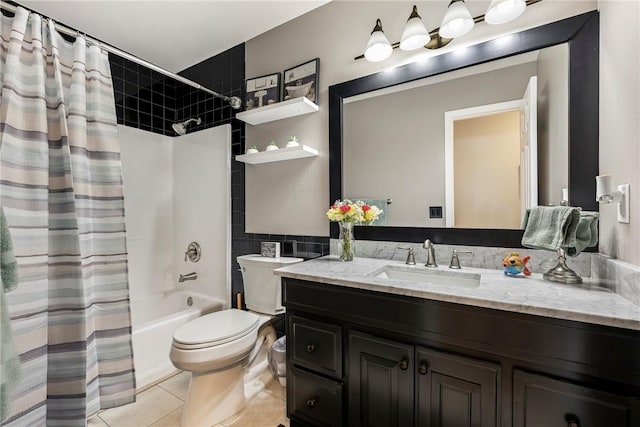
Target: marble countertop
pixel 531 295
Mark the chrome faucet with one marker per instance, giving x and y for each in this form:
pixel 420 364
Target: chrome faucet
pixel 431 253
pixel 184 277
pixel 411 260
pixel 455 259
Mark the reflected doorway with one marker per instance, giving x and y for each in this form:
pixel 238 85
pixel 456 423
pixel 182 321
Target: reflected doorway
pixel 491 163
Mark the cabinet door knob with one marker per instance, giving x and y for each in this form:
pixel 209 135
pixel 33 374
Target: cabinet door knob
pixel 311 403
pixel 311 348
pixel 423 368
pixel 404 364
pixel 572 420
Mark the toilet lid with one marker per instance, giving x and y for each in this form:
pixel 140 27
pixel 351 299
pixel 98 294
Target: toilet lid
pixel 216 328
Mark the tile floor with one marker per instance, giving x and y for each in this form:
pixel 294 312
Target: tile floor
pixel 161 406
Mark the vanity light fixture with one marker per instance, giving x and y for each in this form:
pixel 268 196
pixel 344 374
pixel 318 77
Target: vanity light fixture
pixel 456 22
pixel 415 34
pixel 501 11
pixel 606 194
pixel 378 47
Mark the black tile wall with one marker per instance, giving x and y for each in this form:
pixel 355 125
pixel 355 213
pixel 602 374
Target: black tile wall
pixel 148 100
pixel 145 99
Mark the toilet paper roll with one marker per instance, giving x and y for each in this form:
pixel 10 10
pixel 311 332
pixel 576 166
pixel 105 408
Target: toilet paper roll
pixel 604 188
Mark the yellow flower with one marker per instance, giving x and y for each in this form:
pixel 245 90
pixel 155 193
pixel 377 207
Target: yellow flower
pixel 335 214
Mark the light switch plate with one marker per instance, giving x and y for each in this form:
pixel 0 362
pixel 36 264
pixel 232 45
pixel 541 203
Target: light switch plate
pixel 623 204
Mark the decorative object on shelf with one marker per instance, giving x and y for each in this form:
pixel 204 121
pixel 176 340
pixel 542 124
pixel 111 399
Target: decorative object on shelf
pixel 302 80
pixel 456 22
pixel 514 265
pixel 261 91
pixel 252 150
pixel 293 141
pixel 347 213
pixel 272 146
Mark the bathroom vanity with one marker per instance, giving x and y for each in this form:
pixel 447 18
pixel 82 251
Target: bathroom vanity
pixel 377 343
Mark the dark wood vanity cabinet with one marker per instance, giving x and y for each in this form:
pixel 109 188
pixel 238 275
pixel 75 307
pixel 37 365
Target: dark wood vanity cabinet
pixel 363 358
pixel 544 401
pixel 395 385
pixel 380 382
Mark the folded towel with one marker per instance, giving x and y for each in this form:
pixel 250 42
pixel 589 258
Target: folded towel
pixel 586 233
pixel 9 362
pixel 550 227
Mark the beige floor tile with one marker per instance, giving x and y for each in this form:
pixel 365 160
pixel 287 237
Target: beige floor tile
pixel 264 410
pixel 276 389
pixel 171 420
pixel 151 405
pixel 96 421
pixel 178 385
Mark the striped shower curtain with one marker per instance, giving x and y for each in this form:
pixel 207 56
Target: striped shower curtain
pixel 61 192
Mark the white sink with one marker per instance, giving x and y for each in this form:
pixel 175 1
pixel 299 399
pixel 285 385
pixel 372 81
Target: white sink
pixel 456 279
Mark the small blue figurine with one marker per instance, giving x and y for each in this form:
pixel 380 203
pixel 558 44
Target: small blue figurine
pixel 514 265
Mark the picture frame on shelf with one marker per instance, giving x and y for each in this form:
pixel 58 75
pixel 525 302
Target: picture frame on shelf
pixel 262 91
pixel 302 80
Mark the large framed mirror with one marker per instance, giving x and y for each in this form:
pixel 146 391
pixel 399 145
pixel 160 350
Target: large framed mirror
pixel 397 125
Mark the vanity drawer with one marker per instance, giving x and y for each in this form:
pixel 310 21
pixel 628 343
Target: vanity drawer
pixel 316 346
pixel 314 399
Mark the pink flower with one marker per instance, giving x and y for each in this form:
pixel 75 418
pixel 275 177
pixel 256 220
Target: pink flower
pixel 345 209
pixel 365 208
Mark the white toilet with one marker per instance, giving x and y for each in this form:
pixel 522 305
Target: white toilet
pixel 226 351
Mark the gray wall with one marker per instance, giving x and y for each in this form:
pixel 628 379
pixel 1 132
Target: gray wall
pixel 620 122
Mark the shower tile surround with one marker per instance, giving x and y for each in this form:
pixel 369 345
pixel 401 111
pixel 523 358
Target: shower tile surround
pixel 147 100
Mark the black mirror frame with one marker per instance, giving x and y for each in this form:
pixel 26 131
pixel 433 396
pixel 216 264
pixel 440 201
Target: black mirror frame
pixel 582 33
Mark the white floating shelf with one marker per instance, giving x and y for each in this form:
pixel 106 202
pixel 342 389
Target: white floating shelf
pixel 279 110
pixel 290 153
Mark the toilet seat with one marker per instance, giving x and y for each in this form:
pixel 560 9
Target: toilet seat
pixel 215 329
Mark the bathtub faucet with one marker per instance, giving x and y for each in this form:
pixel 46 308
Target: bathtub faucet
pixel 184 277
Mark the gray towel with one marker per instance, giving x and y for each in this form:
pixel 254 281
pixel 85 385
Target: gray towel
pixel 586 233
pixel 9 362
pixel 550 227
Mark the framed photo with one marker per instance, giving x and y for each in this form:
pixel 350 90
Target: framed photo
pixel 302 81
pixel 261 91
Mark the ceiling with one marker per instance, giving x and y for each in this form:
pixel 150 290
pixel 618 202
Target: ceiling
pixel 173 34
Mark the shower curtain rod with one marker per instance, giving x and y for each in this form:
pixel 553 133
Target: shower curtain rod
pixel 234 101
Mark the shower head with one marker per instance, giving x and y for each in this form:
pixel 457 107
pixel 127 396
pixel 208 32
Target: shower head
pixel 181 127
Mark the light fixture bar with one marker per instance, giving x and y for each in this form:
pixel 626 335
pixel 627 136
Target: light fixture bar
pixel 437 41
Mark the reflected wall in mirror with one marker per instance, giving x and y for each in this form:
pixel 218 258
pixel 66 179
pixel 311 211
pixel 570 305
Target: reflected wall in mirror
pixel 397 148
pixel 462 142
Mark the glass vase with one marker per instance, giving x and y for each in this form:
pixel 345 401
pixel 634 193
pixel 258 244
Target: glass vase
pixel 346 242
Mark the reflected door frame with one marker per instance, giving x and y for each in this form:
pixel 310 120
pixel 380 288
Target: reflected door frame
pixel 450 117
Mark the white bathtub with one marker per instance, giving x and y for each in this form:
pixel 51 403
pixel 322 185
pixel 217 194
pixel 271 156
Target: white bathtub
pixel 154 320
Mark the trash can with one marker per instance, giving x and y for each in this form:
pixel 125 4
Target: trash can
pixel 277 360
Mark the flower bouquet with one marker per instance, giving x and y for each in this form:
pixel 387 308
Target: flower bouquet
pixel 347 213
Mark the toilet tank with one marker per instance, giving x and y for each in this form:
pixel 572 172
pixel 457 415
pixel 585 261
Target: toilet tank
pixel 262 290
